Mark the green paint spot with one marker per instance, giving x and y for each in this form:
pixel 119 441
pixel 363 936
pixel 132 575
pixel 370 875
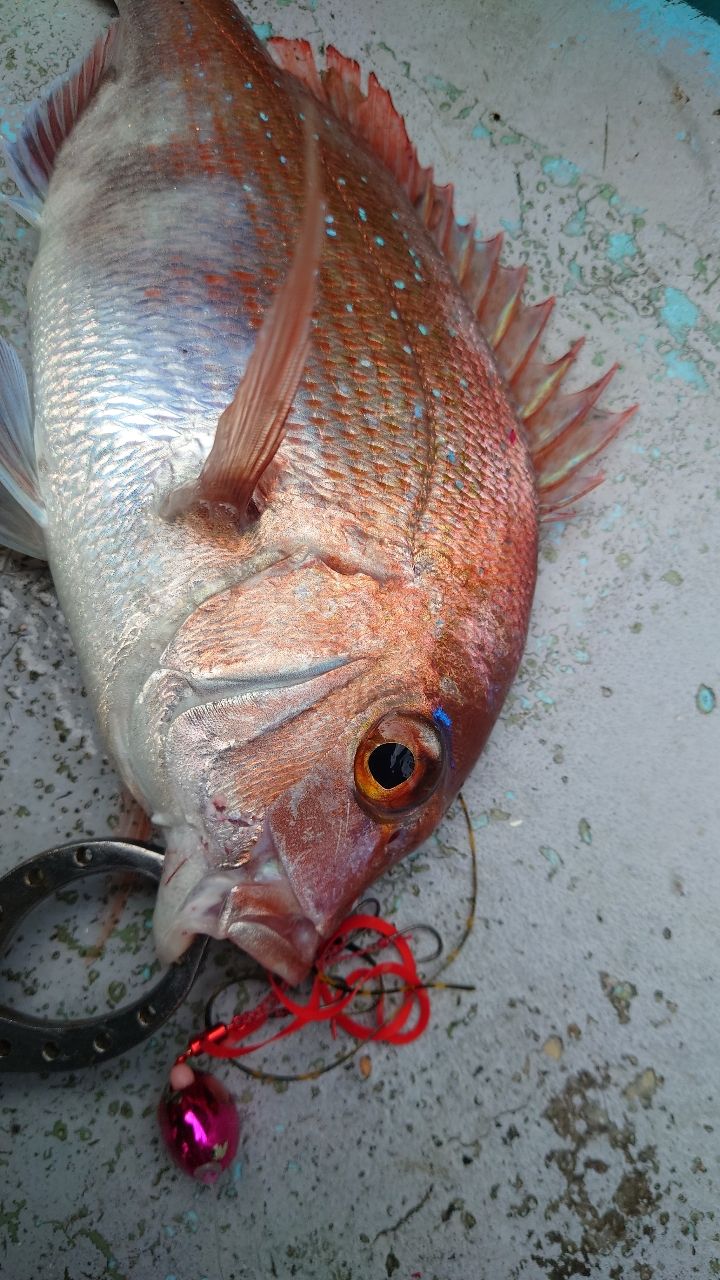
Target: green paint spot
pixel 116 992
pixel 636 628
pixel 585 831
pixel 620 994
pixel 451 91
pixel 562 172
pixel 705 699
pixel 10 1219
pixel 673 577
pixel 59 1130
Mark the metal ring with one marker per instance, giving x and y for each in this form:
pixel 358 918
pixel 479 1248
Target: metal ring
pixel 35 1044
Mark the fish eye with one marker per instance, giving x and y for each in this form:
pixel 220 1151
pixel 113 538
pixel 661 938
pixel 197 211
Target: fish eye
pixel 391 764
pixel 398 763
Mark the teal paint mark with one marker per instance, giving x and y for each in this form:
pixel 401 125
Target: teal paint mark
pixel 612 517
pixel 480 131
pixel 576 224
pixel 620 245
pixel 481 821
pixel 546 700
pixel 263 30
pixel 7 132
pixel 552 857
pixel 582 655
pixel 510 225
pixel 560 171
pixel 668 22
pixel 451 91
pixel 684 371
pixel 679 313
pixel 705 699
pixel 681 135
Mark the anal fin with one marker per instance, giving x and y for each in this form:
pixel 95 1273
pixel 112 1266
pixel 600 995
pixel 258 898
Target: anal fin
pixel 22 514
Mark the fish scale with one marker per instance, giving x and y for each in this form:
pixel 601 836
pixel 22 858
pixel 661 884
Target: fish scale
pixel 285 413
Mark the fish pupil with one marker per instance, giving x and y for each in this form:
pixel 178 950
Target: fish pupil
pixel 391 764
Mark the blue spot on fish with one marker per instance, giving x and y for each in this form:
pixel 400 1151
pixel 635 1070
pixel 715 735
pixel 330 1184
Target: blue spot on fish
pixel 363 215
pixel 437 394
pixel 330 231
pixel 348 306
pixel 329 217
pixel 451 455
pixel 399 284
pixel 283 160
pixel 395 215
pixel 342 182
pixel 264 116
pixel 248 84
pixel 407 349
pixel 393 314
pixel 463 382
pixel 423 330
pixel 418 410
pixel 263 30
pixel 379 240
pixel 442 717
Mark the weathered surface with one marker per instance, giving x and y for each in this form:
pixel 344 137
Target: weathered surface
pixel 561 1121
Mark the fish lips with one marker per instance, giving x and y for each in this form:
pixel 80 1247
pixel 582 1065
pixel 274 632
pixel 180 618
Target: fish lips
pixel 252 905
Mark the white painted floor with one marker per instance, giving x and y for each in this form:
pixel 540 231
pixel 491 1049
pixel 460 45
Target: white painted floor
pixel 563 1120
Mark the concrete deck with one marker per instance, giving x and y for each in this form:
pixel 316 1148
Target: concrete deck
pixel 564 1119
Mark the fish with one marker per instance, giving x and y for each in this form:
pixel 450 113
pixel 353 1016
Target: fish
pixel 288 448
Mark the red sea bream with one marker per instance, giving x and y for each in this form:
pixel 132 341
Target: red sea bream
pixel 289 447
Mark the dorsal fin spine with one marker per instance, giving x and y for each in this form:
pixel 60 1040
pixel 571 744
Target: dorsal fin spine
pixel 511 326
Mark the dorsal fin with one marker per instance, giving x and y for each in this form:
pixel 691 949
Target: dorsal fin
pixel 48 122
pixel 511 327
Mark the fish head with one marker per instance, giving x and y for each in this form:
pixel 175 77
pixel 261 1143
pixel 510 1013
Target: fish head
pixel 315 727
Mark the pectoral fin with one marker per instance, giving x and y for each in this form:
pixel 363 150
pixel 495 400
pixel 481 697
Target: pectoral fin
pixel 251 429
pixel 22 514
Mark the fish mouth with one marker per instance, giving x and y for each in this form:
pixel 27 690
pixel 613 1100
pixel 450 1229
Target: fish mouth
pixel 252 905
